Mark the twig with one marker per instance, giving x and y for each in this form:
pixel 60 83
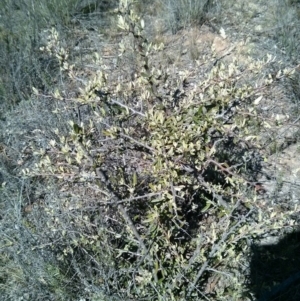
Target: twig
pixel 126 107
pixel 149 195
pixel 103 178
pixel 137 142
pixel 217 247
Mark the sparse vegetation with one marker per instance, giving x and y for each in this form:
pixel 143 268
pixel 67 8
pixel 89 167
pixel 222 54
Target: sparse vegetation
pixel 183 13
pixel 131 170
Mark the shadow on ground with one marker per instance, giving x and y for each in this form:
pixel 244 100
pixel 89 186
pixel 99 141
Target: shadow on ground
pixel 275 270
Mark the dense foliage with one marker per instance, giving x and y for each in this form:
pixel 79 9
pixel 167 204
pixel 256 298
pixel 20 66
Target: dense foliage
pixel 136 184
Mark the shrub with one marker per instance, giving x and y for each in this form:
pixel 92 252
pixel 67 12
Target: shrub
pixel 144 181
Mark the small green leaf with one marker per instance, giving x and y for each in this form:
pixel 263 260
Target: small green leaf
pixel 77 129
pixel 207 206
pixel 134 179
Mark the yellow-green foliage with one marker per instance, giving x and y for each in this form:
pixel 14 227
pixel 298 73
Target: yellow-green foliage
pixel 149 183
